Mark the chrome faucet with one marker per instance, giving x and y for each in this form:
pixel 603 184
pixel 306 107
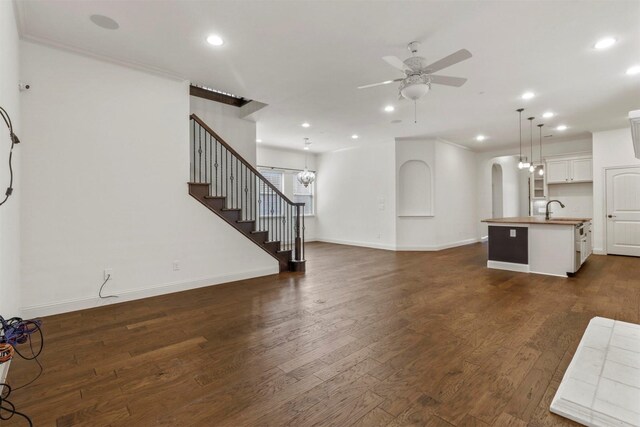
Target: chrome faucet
pixel 547 213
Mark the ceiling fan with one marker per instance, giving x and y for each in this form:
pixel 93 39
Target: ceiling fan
pixel 419 74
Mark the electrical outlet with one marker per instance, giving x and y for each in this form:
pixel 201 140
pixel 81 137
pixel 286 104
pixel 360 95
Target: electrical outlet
pixel 108 273
pixel 176 265
pixel 512 233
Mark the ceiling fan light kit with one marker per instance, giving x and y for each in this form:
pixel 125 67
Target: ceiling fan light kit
pixel 415 87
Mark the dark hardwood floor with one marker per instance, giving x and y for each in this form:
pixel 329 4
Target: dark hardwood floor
pixel 367 337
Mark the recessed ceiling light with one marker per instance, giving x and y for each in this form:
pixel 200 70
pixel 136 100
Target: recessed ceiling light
pixel 305 125
pixel 480 138
pixel 548 115
pixel 561 127
pixel 215 40
pixel 104 22
pixel 258 140
pixel 528 95
pixel 389 108
pixel 632 71
pixel 354 136
pixel 605 43
pixel 306 148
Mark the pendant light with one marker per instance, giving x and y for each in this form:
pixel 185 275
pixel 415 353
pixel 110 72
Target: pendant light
pixel 532 168
pixel 306 177
pixel 520 164
pixel 541 170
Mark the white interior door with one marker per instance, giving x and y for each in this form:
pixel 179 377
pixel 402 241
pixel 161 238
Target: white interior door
pixel 623 211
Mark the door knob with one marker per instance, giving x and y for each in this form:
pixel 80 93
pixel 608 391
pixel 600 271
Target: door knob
pixel 611 216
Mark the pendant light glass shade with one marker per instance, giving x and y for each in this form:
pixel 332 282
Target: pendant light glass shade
pixel 532 167
pixel 306 177
pixel 541 170
pixel 521 164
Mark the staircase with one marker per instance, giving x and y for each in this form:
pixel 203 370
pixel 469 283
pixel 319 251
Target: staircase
pixel 230 187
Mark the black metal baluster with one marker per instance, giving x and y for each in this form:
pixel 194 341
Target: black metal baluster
pixel 207 143
pixel 200 154
pixel 237 178
pixel 205 158
pixel 193 144
pixel 233 182
pixel 273 211
pixel 289 225
pixel 226 176
pixel 246 194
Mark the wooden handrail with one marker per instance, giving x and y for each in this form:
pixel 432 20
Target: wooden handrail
pixel 244 162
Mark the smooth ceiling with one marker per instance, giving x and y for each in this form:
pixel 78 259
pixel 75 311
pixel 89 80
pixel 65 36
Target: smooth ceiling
pixel 306 58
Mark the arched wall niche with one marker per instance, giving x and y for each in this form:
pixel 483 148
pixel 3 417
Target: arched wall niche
pixel 415 189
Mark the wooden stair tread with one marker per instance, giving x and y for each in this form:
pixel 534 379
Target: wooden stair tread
pixel 245 221
pixel 214 197
pixel 198 183
pixel 230 209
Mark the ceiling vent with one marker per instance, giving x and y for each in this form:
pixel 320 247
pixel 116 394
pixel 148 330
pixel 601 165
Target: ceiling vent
pixel 634 118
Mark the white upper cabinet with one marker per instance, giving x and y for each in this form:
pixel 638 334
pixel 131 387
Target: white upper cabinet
pixel 557 171
pixel 582 170
pixel 569 170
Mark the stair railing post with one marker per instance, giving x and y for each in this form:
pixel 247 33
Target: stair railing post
pixel 298 238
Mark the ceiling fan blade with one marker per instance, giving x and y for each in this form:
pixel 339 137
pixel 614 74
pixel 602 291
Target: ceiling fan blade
pixel 447 80
pixel 396 62
pixel 448 61
pixel 379 84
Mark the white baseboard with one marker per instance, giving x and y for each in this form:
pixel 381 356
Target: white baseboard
pixel 510 266
pixel 599 251
pixel 396 247
pixel 355 243
pixel 134 294
pixel 438 247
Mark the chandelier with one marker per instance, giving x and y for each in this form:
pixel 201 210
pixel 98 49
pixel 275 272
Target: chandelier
pixel 306 177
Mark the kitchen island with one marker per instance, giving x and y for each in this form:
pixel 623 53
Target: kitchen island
pixel 556 246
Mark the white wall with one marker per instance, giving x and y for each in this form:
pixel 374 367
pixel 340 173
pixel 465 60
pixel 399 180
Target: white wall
pixel 290 159
pixel 455 200
pixel 224 120
pixel 610 149
pixel 577 199
pixel 106 165
pixel 356 196
pixel 10 212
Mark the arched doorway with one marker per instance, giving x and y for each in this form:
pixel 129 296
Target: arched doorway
pixel 497 193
